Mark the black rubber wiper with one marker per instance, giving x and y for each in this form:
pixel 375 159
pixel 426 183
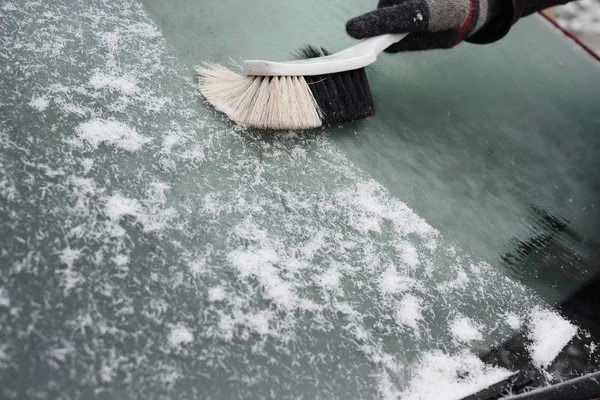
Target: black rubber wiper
pixel 516 383
pixel 586 387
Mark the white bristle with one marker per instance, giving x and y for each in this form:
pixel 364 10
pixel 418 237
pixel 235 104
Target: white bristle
pixel 261 102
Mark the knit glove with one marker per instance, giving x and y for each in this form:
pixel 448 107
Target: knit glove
pixel 432 24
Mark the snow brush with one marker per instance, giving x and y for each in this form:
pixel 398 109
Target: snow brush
pixel 317 89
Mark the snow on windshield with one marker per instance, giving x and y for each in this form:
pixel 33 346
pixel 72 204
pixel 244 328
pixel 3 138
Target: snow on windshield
pixel 151 247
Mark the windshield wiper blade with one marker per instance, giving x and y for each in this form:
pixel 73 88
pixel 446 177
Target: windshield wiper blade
pixel 516 387
pixel 516 383
pixel 586 387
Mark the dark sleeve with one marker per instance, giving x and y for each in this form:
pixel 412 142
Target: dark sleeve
pixel 499 26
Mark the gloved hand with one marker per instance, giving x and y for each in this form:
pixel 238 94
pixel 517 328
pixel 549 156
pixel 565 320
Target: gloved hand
pixel 433 24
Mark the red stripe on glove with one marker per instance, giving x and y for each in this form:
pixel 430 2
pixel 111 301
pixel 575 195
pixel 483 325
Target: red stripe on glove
pixel 465 25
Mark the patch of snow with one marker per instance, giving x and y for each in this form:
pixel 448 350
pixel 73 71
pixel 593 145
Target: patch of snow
pixel 409 312
pixel 156 192
pixel 114 133
pixel 125 85
pixel 170 140
pixel 149 212
pixel 197 267
pixel 70 279
pixel 180 335
pixel 592 347
pixel 9 6
pixel 549 333
pixel 460 282
pixel 464 330
pixel 369 207
pixel 259 322
pixel 226 327
pixel 83 185
pixel 260 264
pixel 87 164
pixel 109 39
pixel 393 282
pixel 386 388
pixel 261 261
pixel 121 260
pixel 68 256
pixel 217 293
pixel 581 16
pixel 119 206
pixel 39 103
pixel 329 281
pixel 194 154
pixel 442 376
pixel 110 366
pixel 408 254
pixel 168 374
pixel 513 320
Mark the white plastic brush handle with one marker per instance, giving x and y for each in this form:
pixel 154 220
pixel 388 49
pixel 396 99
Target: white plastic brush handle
pixel 355 57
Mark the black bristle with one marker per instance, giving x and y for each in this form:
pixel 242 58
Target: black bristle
pixel 309 51
pixel 343 96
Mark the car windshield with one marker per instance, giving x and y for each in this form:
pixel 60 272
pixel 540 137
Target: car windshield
pixel 149 248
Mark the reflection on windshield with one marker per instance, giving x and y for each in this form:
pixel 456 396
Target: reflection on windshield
pixel 554 256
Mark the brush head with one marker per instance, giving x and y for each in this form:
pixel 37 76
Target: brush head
pixel 264 102
pixel 342 96
pixel 288 102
